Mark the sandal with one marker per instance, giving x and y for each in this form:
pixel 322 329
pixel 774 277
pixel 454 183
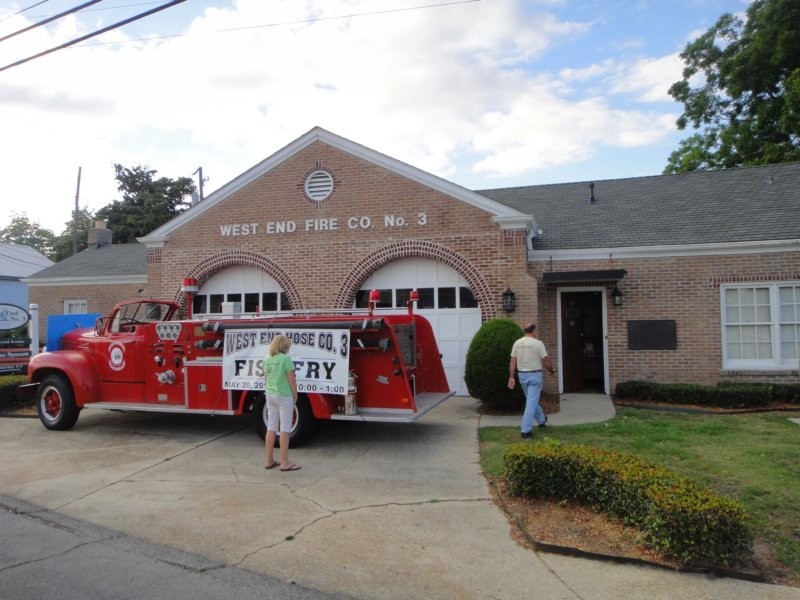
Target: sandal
pixel 291 468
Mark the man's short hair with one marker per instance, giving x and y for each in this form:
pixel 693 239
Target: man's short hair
pixel 529 328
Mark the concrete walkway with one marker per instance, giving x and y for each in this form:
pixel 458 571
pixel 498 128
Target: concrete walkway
pixel 574 410
pixel 378 511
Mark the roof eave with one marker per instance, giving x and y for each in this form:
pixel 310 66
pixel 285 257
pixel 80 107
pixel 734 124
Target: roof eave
pixel 504 215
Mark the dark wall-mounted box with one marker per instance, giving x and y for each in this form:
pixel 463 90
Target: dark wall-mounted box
pixel 652 335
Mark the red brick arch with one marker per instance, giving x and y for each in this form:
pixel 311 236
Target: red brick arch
pixel 238 258
pixel 416 249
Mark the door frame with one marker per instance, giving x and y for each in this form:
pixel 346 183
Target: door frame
pixel 603 309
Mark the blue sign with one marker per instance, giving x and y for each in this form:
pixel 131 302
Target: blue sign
pixel 12 316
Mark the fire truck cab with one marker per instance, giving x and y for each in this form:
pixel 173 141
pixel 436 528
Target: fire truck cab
pixel 350 366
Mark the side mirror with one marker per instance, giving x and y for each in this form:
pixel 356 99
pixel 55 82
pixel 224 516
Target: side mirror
pixel 99 326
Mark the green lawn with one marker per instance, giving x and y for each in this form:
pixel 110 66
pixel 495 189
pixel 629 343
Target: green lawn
pixel 754 458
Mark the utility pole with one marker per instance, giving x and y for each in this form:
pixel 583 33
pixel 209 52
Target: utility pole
pixel 201 181
pixel 75 216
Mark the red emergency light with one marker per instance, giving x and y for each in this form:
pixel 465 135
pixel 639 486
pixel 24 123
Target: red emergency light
pixel 189 285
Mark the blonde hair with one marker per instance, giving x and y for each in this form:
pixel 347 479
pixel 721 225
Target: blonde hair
pixel 280 343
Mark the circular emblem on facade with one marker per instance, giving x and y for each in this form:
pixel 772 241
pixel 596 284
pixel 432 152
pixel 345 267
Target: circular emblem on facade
pixel 319 184
pixel 116 356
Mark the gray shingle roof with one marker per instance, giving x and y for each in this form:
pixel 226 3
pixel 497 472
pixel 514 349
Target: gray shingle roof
pixel 17 262
pixel 734 205
pixel 118 260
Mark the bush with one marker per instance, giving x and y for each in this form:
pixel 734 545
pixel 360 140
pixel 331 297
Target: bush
pixel 724 394
pixel 676 515
pixel 486 368
pixel 8 391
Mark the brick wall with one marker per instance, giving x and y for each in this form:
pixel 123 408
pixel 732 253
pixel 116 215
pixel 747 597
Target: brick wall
pixel 340 242
pixel 685 289
pixel 100 299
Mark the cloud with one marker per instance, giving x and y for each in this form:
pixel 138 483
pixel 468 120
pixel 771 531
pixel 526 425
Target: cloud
pixel 646 79
pixel 649 78
pixel 452 89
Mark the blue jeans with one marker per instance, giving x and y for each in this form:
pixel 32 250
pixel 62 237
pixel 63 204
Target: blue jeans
pixel 532 386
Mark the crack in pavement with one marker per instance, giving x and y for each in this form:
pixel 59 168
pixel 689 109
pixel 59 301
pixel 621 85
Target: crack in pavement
pixel 336 512
pixel 128 476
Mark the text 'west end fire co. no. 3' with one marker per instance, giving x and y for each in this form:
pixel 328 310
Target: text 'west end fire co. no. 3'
pixel 320 356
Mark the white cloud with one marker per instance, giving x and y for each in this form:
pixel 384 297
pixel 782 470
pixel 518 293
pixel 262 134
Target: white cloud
pixel 646 79
pixel 649 79
pixel 424 86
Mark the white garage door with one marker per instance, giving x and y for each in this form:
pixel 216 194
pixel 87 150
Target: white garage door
pixel 445 300
pixel 239 290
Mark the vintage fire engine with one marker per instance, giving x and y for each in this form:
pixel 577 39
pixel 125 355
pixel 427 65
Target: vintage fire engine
pixel 349 366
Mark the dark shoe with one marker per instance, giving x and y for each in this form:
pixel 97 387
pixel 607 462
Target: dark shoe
pixel 545 422
pixel 526 435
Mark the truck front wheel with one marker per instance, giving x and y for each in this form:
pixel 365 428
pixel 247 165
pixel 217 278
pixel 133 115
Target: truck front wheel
pixel 56 403
pixel 304 423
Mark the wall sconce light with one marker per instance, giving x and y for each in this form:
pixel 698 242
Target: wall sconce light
pixel 509 301
pixel 616 296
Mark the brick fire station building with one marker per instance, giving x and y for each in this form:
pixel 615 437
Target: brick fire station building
pixel 681 278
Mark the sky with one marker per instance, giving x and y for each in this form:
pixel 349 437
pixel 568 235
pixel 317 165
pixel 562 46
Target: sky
pixel 484 93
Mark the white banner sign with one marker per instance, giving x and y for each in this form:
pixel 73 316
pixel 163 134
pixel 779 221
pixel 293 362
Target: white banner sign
pixel 321 358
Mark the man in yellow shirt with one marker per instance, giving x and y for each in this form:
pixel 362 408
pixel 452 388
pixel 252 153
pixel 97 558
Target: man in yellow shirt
pixel 528 357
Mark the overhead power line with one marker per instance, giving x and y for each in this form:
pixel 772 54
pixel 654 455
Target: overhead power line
pixel 104 8
pixel 94 33
pixel 297 22
pixel 51 19
pixel 22 10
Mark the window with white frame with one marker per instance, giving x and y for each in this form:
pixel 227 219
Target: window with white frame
pixel 761 326
pixel 76 307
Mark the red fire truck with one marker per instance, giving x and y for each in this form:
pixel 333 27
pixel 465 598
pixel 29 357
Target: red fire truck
pixel 349 366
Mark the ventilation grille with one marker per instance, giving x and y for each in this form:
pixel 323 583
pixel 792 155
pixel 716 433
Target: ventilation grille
pixel 319 185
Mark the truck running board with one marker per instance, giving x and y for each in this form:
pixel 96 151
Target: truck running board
pixel 160 408
pixel 425 402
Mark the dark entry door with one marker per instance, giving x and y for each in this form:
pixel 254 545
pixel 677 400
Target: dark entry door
pixel 582 363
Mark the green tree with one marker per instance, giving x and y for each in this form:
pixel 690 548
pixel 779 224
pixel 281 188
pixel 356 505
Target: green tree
pixel 146 204
pixel 486 366
pixel 81 223
pixel 24 232
pixel 741 91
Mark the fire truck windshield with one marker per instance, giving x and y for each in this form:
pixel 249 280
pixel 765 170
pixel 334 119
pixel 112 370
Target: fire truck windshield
pixel 130 315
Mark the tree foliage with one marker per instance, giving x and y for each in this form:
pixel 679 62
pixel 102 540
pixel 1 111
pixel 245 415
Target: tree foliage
pixel 741 91
pixel 81 222
pixel 146 204
pixel 24 232
pixel 486 366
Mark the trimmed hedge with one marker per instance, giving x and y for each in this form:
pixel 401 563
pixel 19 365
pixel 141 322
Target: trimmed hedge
pixel 676 515
pixel 724 394
pixel 8 391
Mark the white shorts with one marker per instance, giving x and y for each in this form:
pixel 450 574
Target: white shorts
pixel 280 409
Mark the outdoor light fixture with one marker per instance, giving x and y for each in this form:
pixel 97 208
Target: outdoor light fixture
pixel 616 296
pixel 509 301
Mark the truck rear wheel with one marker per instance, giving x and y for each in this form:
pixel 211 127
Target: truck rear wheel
pixel 304 423
pixel 55 403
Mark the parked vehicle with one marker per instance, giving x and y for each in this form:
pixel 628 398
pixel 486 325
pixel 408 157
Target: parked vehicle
pixel 349 366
